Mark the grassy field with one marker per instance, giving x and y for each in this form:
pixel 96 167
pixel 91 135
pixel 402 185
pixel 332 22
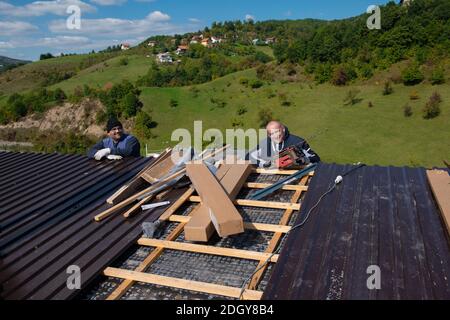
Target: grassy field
pixel 32 75
pixel 109 71
pixel 344 134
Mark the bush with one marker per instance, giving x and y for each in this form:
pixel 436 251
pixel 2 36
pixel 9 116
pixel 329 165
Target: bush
pixel 414 95
pixel 59 95
pixel 437 77
pixel 323 73
pixel 237 123
pixel 255 84
pixel 340 77
pixel 46 56
pixel 412 75
pixel 173 103
pixel 241 111
pixel 370 104
pixel 366 71
pixel 123 61
pixel 243 81
pixel 352 97
pixel 407 111
pixel 143 125
pixel 387 90
pixel 16 107
pixel 432 109
pixel 130 105
pixel 265 115
pixel 3 117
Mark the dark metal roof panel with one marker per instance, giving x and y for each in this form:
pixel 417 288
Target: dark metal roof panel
pixel 383 216
pixel 47 205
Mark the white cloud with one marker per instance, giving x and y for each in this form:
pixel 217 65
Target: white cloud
pixel 59 42
pixel 109 2
pixel 14 28
pixel 158 16
pixel 194 20
pixel 40 8
pixel 155 23
pixel 6 45
pixel 249 17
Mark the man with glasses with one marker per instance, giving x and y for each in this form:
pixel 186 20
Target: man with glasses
pixel 117 145
pixel 278 139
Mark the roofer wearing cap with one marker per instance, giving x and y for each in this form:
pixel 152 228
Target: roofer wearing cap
pixel 278 139
pixel 117 145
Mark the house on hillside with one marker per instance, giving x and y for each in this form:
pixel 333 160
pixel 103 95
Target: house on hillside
pixel 215 40
pixel 270 40
pixel 195 39
pixel 181 50
pixel 125 46
pixel 151 44
pixel 164 58
pixel 206 42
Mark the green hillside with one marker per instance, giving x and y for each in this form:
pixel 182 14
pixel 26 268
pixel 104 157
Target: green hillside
pixel 344 134
pixel 113 70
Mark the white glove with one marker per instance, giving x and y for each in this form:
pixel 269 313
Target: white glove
pixel 114 157
pixel 102 153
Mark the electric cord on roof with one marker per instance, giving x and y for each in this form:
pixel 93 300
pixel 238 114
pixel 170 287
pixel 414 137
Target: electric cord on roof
pixel 337 181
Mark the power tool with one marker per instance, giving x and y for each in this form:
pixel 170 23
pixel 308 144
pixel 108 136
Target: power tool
pixel 291 157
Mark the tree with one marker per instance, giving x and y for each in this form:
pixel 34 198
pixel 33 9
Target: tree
pixel 438 76
pixel 130 105
pixel 45 56
pixel 387 90
pixel 143 125
pixel 432 109
pixel 412 75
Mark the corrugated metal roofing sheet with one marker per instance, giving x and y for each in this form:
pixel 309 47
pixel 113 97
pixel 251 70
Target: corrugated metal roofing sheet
pixel 47 205
pixel 381 216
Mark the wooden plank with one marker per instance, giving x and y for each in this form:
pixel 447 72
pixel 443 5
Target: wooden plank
pixel 289 187
pixel 160 169
pixel 131 199
pixel 136 184
pixel 183 284
pixel 199 248
pixel 258 203
pixel 177 204
pixel 158 184
pixel 439 181
pixel 155 254
pixel 136 207
pixel 224 215
pixel 247 225
pixel 231 177
pixel 276 171
pixel 276 239
pixel 163 195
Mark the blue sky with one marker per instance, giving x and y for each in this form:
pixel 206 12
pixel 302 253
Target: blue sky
pixel 29 28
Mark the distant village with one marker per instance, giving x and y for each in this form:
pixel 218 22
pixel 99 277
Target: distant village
pixel 207 42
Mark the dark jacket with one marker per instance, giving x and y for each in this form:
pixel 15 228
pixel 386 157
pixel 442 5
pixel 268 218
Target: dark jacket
pixel 127 146
pixel 265 151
